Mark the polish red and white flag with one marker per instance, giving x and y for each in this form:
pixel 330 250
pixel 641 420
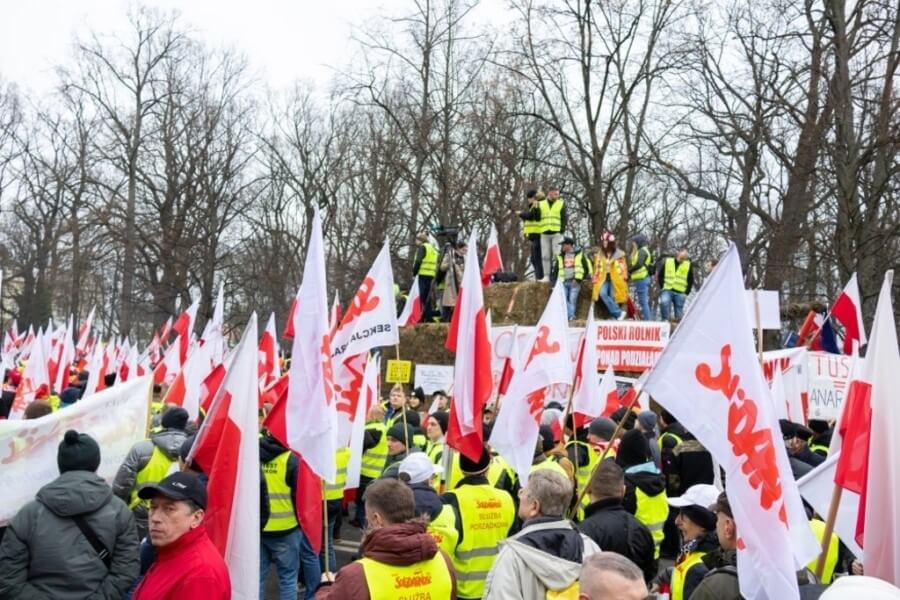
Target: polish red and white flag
pixel 35 381
pixel 847 310
pixel 184 327
pixel 710 379
pixel 269 369
pixel 84 332
pixel 549 363
pixel 412 309
pixel 227 449
pixel 492 261
pixel 469 338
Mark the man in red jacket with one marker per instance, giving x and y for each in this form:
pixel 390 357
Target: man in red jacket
pixel 188 566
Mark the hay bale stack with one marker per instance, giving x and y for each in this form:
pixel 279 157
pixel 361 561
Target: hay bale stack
pixel 522 302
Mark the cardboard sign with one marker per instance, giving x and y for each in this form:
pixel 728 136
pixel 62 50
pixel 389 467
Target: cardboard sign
pixel 769 310
pixel 432 378
pixel 398 371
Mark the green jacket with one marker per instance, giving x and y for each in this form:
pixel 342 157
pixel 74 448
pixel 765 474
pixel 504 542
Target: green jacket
pixel 44 555
pixel 721 583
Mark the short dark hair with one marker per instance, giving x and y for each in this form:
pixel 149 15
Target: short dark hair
pixel 608 480
pixel 392 498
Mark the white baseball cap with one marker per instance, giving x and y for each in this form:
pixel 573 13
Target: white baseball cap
pixel 702 494
pixel 418 467
pixel 858 586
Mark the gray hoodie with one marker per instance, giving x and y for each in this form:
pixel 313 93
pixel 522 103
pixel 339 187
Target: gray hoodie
pixel 546 555
pixel 45 556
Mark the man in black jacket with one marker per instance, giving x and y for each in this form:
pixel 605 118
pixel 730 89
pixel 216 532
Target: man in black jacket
pixel 282 541
pixel 613 528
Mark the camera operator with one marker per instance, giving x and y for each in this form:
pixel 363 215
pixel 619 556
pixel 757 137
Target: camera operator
pixel 452 266
pixel 531 228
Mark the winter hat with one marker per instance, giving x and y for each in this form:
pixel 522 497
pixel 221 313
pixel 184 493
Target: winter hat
pixel 78 452
pixel 70 395
pixel 396 432
pixel 470 467
pixel 603 427
pixel 416 468
pixel 703 517
pixel 441 418
pixel 633 450
pixel 647 419
pixel 174 418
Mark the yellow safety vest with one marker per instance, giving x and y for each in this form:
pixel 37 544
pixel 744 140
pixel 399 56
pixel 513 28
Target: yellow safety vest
pixel 831 557
pixel 652 511
pixel 420 441
pixel 583 472
pixel 281 506
pixel 443 530
pixel 819 449
pixel 498 467
pixel 486 514
pixel 428 266
pixel 335 491
pixel 676 277
pixel 530 227
pixel 156 407
pixel 154 471
pixel 643 272
pixel 53 399
pixel 661 438
pixel 680 572
pixel 373 459
pixel 434 450
pixel 578 266
pixel 425 579
pixel 549 465
pixel 551 215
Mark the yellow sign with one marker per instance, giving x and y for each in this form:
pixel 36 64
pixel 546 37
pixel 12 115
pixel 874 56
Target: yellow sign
pixel 398 371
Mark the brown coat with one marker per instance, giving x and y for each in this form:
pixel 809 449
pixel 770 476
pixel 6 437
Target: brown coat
pixel 402 544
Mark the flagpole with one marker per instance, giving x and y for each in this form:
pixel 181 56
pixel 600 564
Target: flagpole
pixel 619 426
pixel 570 411
pixel 327 531
pixel 759 329
pixel 829 529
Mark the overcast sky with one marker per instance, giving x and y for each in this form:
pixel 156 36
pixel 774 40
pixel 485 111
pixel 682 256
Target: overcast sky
pixel 285 40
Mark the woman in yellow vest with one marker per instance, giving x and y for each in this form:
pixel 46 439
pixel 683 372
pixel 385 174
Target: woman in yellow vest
pixel 610 277
pixel 697 524
pixel 400 558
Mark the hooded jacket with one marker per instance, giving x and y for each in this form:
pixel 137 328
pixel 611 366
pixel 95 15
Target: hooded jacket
pixel 428 502
pixel 645 478
pixel 189 567
pixel 169 441
pixel 614 529
pixel 546 555
pixel 44 555
pixel 400 544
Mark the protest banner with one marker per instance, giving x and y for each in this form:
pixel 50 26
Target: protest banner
pixel 828 376
pixel 432 378
pixel 115 417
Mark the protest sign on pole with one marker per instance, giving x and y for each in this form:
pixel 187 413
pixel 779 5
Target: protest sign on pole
pixel 115 417
pixel 432 378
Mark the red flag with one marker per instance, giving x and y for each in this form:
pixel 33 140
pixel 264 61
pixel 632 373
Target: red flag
pixel 334 319
pixel 808 328
pixel 210 387
pixel 412 310
pixel 165 330
pixel 170 365
pixel 492 261
pixel 472 379
pixel 34 378
pixel 847 310
pixel 855 425
pixel 84 332
pixel 289 326
pixel 227 449
pixel 511 364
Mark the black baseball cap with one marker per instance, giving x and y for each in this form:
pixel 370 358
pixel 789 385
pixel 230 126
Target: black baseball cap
pixel 177 486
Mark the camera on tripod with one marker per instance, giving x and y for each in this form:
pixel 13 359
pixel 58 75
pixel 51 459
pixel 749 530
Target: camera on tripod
pixel 445 235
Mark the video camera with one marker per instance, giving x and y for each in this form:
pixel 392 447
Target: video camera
pixel 444 234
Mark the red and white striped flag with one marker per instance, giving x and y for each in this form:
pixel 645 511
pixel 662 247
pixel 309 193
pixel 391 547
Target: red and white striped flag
pixel 492 261
pixel 412 309
pixel 214 331
pixel 367 397
pixel 184 327
pixel 709 377
pixel 473 383
pixel 593 396
pixel 847 310
pixel 227 449
pixel 549 363
pixel 84 332
pixel 185 390
pixel 65 358
pixel 269 369
pixel 35 379
pixel 334 320
pixel 95 369
pixel 166 370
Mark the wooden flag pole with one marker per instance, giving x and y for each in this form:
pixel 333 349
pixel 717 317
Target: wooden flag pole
pixel 759 329
pixel 829 529
pixel 615 434
pixel 327 531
